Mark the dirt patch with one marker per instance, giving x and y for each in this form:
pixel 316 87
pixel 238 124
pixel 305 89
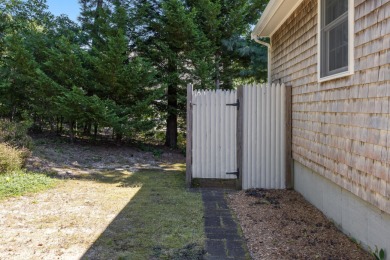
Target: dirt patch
pixel 281 224
pixel 63 222
pixel 55 155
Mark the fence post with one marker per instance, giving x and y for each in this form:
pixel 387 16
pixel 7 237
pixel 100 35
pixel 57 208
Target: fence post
pixel 189 137
pixel 288 139
pixel 240 135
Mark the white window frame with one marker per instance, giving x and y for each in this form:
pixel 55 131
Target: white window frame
pixel 351 41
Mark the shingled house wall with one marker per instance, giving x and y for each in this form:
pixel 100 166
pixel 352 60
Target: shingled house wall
pixel 341 128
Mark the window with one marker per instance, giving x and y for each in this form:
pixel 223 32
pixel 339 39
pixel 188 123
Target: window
pixel 335 38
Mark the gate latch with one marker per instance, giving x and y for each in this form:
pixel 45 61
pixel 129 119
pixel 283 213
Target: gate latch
pixel 237 173
pixel 237 104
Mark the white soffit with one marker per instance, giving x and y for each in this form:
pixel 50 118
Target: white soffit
pixel 274 15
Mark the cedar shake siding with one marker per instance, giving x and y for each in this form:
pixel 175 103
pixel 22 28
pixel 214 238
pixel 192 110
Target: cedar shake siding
pixel 341 127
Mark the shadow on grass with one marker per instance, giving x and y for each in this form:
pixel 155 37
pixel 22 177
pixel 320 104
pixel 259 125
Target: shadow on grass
pixel 162 221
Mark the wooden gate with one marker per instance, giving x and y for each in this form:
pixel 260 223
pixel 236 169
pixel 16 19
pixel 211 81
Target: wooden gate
pixel 244 134
pixel 214 150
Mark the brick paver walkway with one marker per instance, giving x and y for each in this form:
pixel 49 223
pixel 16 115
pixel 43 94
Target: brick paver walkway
pixel 224 240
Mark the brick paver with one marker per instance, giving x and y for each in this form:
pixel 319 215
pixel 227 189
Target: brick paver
pixel 224 240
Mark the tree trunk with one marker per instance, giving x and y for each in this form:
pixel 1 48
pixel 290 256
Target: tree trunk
pixel 217 72
pixel 57 125
pixel 118 138
pixel 171 132
pixel 95 132
pixel 87 129
pixel 71 126
pixel 95 28
pixel 61 125
pixel 52 124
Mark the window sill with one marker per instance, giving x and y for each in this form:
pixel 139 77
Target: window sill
pixel 335 76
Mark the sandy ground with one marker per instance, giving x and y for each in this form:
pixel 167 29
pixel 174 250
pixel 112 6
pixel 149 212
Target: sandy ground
pixel 63 222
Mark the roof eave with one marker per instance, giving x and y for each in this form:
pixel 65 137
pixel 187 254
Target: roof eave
pixel 274 15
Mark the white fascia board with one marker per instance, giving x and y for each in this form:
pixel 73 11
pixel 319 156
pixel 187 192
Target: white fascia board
pixel 274 15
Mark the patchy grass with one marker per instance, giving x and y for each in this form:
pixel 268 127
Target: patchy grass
pixel 19 183
pixel 162 221
pixel 106 214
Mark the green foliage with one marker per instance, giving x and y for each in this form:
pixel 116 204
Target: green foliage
pixel 72 104
pixel 227 26
pixel 188 42
pixel 53 71
pixel 17 183
pixel 125 83
pixel 126 65
pixel 166 34
pixel 379 254
pixel 148 148
pixel 11 159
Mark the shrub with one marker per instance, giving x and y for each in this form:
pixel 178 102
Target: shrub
pixel 11 158
pixel 15 133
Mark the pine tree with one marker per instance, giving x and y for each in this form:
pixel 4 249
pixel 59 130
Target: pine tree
pixel 118 63
pixel 227 25
pixel 115 74
pixel 165 32
pixel 20 73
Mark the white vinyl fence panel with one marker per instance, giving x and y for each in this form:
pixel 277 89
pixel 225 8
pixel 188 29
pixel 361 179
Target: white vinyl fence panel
pixel 263 148
pixel 214 143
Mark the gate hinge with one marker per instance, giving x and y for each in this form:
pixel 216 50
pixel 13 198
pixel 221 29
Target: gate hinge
pixel 237 173
pixel 237 104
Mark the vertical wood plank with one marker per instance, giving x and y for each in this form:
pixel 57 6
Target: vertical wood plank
pixel 245 136
pixel 202 133
pixel 258 131
pixel 207 141
pixel 248 133
pixel 227 132
pixel 189 137
pixel 263 134
pixel 288 139
pixel 212 111
pixel 268 139
pixel 278 131
pixel 195 143
pixel 283 137
pixel 234 133
pixel 240 139
pixel 222 135
pixel 273 136
pixel 218 132
pixel 254 135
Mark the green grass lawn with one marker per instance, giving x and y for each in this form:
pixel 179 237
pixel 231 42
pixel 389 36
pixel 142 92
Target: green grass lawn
pixel 18 183
pixel 162 221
